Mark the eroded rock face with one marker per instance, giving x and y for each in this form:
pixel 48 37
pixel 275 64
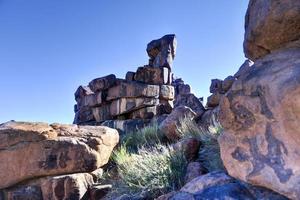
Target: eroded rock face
pixel 270 25
pixel 30 150
pixel 260 115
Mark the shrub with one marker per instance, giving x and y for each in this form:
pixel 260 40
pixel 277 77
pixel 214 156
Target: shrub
pixel 209 153
pixel 156 170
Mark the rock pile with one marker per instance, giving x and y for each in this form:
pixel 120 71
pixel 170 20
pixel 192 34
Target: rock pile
pixel 141 95
pixel 41 161
pixel 218 88
pixel 261 111
pixel 184 97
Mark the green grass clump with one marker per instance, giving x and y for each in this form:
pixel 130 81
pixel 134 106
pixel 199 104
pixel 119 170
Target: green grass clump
pixel 209 153
pixel 156 170
pixel 145 137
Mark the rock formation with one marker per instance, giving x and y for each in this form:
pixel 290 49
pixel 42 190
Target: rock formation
pixel 260 113
pixel 143 97
pixel 35 158
pixel 144 94
pixel 184 97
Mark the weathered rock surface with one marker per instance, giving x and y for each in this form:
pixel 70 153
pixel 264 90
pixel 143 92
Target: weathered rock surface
pixel 162 51
pixel 260 115
pixel 30 150
pixel 270 25
pixel 169 125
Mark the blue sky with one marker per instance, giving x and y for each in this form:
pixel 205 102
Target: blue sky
pixel 50 47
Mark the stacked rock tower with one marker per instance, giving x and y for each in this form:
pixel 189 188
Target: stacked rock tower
pixel 143 94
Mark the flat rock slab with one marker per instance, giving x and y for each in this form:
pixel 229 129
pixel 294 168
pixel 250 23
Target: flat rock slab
pixel 153 75
pixel 71 186
pixel 30 150
pixel 131 90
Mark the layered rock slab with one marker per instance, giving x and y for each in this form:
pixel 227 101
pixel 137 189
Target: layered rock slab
pixel 30 150
pixel 260 115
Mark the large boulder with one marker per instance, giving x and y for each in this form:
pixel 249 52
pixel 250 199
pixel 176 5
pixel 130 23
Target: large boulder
pixel 260 115
pixel 191 101
pixel 169 126
pixel 132 90
pixel 30 150
pixel 71 186
pixel 162 51
pixel 153 75
pixel 270 25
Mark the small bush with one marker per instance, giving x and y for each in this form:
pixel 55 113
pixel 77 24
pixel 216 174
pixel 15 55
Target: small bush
pixel 155 170
pixel 209 153
pixel 145 137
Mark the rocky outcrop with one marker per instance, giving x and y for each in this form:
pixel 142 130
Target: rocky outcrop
pixel 260 113
pixel 32 150
pixel 260 117
pixel 184 97
pixel 144 94
pixel 271 25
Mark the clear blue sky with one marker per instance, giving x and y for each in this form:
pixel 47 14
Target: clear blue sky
pixel 49 47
